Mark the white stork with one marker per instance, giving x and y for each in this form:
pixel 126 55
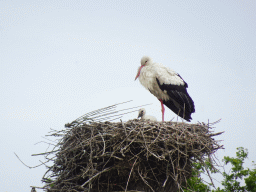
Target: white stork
pixel 168 86
pixel 143 116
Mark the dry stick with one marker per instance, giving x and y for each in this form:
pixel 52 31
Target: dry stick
pixel 29 166
pixel 180 187
pixel 99 110
pixel 214 134
pixel 215 122
pixel 190 190
pixel 37 187
pixel 121 144
pixel 119 115
pixel 153 173
pixel 142 133
pixel 186 151
pixel 89 116
pixel 165 181
pixel 47 172
pixel 208 174
pixel 85 117
pixel 130 174
pixel 158 157
pixel 173 168
pixel 90 185
pixel 167 175
pixel 177 176
pixel 145 181
pixel 123 125
pixel 44 142
pixel 120 110
pixel 130 141
pixel 104 145
pixel 89 180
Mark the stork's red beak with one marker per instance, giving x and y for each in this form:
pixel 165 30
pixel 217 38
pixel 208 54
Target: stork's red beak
pixel 138 74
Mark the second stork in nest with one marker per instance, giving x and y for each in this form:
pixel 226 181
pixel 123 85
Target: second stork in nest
pixel 143 116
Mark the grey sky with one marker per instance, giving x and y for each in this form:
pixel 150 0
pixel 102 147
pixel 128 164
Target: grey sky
pixel 61 59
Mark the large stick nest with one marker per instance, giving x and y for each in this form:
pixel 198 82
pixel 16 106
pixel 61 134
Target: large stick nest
pixel 135 155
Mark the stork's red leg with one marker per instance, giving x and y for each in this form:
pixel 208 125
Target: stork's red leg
pixel 162 106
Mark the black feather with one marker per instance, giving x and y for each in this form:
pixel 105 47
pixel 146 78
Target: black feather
pixel 180 102
pixel 185 85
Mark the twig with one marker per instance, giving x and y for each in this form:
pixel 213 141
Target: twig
pixel 89 180
pixel 130 174
pixel 145 181
pixel 27 165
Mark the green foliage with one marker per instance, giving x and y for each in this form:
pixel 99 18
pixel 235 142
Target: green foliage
pixel 232 179
pixel 251 180
pixel 231 182
pixel 195 182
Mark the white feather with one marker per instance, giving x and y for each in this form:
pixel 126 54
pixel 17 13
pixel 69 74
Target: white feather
pixel 142 114
pixel 151 71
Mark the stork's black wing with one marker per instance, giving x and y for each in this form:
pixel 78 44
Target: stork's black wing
pixel 180 102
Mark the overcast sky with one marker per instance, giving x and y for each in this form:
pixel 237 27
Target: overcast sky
pixel 62 59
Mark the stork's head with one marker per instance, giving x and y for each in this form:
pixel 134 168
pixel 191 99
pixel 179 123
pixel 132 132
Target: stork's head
pixel 145 60
pixel 142 112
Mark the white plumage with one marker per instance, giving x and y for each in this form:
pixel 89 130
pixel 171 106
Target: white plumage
pixel 142 115
pixel 168 86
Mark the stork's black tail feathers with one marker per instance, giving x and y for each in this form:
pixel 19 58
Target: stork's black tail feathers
pixel 180 102
pixel 179 111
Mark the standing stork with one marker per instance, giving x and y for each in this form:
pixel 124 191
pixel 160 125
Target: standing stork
pixel 168 86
